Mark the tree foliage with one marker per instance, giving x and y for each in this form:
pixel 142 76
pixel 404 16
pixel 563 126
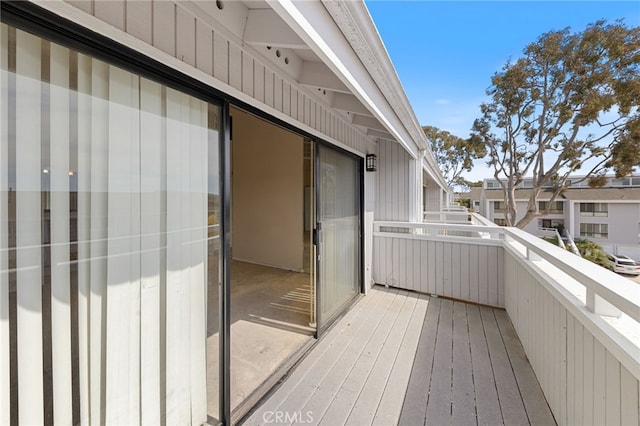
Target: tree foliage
pixel 454 154
pixel 592 251
pixel 570 102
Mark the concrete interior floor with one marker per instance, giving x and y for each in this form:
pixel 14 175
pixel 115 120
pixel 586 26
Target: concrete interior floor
pixel 270 321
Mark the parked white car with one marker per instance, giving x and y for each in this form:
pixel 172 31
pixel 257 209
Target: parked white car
pixel 623 265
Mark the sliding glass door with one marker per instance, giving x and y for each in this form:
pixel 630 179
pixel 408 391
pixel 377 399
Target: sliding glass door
pixel 337 232
pixel 109 209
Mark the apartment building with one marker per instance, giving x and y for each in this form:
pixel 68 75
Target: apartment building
pixel 609 214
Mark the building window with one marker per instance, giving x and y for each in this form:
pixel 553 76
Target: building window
pixel 594 230
pixel 594 209
pixel 551 223
pixel 557 207
pixel 501 222
pixel 498 206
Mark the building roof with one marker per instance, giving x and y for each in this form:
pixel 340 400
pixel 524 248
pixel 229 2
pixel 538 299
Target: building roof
pixel 521 194
pixel 603 194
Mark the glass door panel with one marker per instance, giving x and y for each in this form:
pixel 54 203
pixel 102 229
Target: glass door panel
pixel 338 232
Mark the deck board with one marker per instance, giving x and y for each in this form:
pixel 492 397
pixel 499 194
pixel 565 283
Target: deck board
pixel 390 406
pixel 439 402
pixel 345 395
pixel 415 402
pixel 406 358
pixel 363 409
pixel 463 409
pixel 513 412
pixel 487 405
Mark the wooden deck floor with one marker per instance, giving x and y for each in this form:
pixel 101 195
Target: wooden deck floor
pixel 403 358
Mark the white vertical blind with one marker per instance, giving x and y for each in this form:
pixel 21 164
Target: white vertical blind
pixel 178 403
pixel 28 228
pixel 198 304
pixel 83 101
pixel 60 173
pixel 97 221
pixel 137 202
pixel 151 134
pixel 123 290
pixel 5 392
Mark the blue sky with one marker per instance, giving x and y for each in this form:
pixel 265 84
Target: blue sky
pixel 445 52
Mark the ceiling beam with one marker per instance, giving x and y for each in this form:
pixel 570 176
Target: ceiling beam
pixel 380 134
pixel 366 121
pixel 346 102
pixel 266 28
pixel 317 74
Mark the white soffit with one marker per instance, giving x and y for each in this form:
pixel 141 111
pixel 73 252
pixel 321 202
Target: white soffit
pixel 313 23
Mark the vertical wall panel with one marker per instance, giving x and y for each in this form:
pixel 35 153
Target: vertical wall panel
pixel 5 392
pixel 269 87
pixel 139 20
pixel 235 66
pixel 185 37
pixel 483 259
pixel 286 98
pixel 416 276
pixel 599 383
pixel 247 74
pixel 424 265
pixel 258 81
pixel 456 263
pixel 294 111
pixel 86 5
pixel 28 229
pixel 629 397
pixel 164 26
pixel 589 379
pixel 111 11
pixel 301 103
pixel 393 182
pixel 613 396
pixel 220 58
pixel 204 48
pixel 278 93
pixel 59 175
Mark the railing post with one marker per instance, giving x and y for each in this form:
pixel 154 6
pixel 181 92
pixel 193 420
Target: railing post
pixel 532 255
pixel 600 306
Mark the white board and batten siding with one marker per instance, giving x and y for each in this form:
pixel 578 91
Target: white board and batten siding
pixel 394 182
pixel 583 381
pixel 471 271
pixel 227 64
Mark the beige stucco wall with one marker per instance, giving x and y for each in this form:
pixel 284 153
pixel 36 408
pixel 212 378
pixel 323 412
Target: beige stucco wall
pixel 267 193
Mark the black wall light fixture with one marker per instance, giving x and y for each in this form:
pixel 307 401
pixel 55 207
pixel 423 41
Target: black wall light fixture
pixel 371 162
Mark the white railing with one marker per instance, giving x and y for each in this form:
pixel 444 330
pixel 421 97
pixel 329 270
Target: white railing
pixel 447 217
pixel 455 208
pixel 552 233
pixel 578 322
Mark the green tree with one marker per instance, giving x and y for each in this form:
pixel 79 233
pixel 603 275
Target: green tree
pixel 454 154
pixel 570 101
pixel 592 252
